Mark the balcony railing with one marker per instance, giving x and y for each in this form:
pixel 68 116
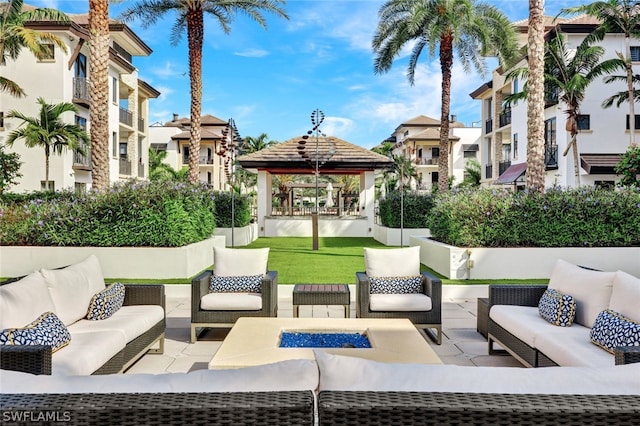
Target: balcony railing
pixel 81 89
pixel 140 124
pixel 125 167
pixel 505 117
pixel 82 161
pixel 122 52
pixel 205 160
pixel 488 171
pixel 551 157
pixel 488 125
pixel 140 170
pixel 126 117
pixel 503 166
pixel 427 161
pixel 550 97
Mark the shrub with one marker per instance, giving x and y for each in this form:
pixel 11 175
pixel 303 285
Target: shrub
pixel 222 212
pixel 416 208
pixel 629 167
pixel 583 217
pixel 129 214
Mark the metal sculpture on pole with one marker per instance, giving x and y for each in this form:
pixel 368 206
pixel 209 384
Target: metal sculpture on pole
pixel 316 159
pixel 229 150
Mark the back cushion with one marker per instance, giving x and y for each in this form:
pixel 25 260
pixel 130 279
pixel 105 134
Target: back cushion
pixel 591 290
pixel 90 267
pixel 237 262
pixel 397 262
pixel 625 297
pixel 24 300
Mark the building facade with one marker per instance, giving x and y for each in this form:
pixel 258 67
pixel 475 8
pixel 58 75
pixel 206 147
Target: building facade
pixel 603 133
pixel 64 77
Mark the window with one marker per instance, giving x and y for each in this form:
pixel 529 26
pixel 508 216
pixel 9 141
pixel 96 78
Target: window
pixel 435 152
pixel 50 187
pixel 80 188
pixel 637 122
pixel 635 53
pixel 114 90
pixel 1 120
pixel 584 121
pixel 605 184
pixel 123 150
pixel 516 89
pixel 114 144
pixel 81 121
pixel 80 66
pixel 550 131
pixel 185 155
pixel 515 146
pixel 469 154
pixel 48 53
pixel 434 177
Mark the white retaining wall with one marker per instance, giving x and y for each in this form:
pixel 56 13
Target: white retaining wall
pixel 356 226
pixel 394 237
pixel 241 236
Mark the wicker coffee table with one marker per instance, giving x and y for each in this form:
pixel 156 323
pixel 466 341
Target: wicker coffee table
pixel 321 294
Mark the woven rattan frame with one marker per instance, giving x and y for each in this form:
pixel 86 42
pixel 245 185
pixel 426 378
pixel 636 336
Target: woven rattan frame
pixel 201 318
pixel 321 294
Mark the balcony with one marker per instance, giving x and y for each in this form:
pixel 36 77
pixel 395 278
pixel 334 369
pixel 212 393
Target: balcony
pixel 505 117
pixel 550 97
pixel 80 161
pixel 488 126
pixel 503 166
pixel 433 161
pixel 205 160
pixel 122 52
pixel 551 157
pixel 488 171
pixel 140 124
pixel 126 117
pixel 81 91
pixel 124 167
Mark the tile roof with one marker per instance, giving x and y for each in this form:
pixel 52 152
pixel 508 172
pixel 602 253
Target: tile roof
pixel 204 134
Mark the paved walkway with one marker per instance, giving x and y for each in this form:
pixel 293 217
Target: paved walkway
pixel 461 344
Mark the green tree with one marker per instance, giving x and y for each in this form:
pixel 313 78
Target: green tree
pixel 159 170
pixel 49 131
pixel 259 143
pixel 472 174
pixel 9 168
pixel 472 29
pixel 190 17
pixel 616 16
pixel 14 36
pixel 629 167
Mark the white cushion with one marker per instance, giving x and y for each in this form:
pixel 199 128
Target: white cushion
pixel 87 352
pixel 24 300
pixel 132 321
pixel 396 262
pixel 350 373
pixel 70 292
pixel 236 262
pixel 571 346
pixel 524 322
pixel 590 289
pixel 291 375
pixel 90 267
pixel 625 297
pixel 231 302
pixel 400 302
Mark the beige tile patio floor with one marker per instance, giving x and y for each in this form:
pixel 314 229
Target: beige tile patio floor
pixel 461 344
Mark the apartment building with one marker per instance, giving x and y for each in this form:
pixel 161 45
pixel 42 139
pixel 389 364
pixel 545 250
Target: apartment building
pixel 173 137
pixel 418 139
pixel 603 133
pixel 64 77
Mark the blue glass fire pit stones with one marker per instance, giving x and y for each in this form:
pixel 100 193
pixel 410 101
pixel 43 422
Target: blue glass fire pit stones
pixel 293 339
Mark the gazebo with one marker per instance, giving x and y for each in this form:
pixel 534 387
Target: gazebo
pixel 286 158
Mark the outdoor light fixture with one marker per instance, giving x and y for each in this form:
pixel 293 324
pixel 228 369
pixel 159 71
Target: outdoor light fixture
pixel 316 159
pixel 229 149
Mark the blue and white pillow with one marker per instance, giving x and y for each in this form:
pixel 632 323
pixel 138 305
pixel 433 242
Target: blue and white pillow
pixel 395 285
pixel 47 330
pixel 107 302
pixel 611 330
pixel 237 284
pixel 557 308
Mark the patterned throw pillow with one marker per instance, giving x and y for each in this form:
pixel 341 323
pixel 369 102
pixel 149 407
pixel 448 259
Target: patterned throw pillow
pixel 395 285
pixel 47 330
pixel 107 302
pixel 612 330
pixel 239 284
pixel 557 308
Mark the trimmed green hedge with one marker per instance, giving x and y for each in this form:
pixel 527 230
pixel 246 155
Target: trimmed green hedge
pixel 222 212
pixel 416 210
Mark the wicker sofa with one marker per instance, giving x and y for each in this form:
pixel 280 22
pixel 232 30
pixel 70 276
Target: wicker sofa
pixel 515 324
pixel 103 346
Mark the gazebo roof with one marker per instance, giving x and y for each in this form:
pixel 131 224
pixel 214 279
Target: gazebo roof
pixel 285 158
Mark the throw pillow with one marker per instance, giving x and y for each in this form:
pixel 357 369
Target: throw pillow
pixel 395 285
pixel 238 284
pixel 47 330
pixel 612 330
pixel 107 302
pixel 557 308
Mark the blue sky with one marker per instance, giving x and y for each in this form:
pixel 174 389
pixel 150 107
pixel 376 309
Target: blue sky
pixel 269 81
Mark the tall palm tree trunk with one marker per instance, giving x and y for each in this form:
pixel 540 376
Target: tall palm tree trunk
pixel 632 107
pixel 99 93
pixel 535 101
pixel 446 62
pixel 46 169
pixel 195 36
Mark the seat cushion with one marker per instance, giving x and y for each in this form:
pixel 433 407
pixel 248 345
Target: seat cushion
pixel 524 322
pixel 571 347
pixel 87 352
pixel 235 262
pixel 24 300
pixel 132 321
pixel 399 302
pixel 625 295
pixel 231 302
pixel 395 262
pixel 45 330
pixel 590 289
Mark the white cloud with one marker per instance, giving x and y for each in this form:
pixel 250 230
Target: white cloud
pixel 252 53
pixel 169 70
pixel 165 93
pixel 337 126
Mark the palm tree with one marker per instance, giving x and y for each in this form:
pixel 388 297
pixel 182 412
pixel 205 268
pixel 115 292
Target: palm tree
pixel 252 144
pixel 622 96
pixel 474 29
pixel 159 170
pixel 49 131
pixel 190 15
pixel 99 93
pixel 14 36
pixel 535 100
pixel 616 16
